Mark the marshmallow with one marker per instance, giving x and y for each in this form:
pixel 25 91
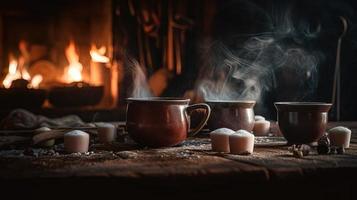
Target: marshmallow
pixel 48 143
pixel 106 132
pixel 76 141
pixel 259 118
pixel 261 128
pixel 340 136
pixel 242 142
pixel 92 125
pixel 41 130
pixel 220 139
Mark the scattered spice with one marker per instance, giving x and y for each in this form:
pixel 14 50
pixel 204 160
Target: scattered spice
pixel 333 150
pixel 323 149
pixel 340 150
pixel 299 150
pixel 126 154
pixel 323 145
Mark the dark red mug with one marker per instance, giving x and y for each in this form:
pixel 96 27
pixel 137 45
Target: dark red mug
pixel 302 122
pixel 234 115
pixel 162 122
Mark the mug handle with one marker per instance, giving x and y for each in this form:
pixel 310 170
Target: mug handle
pixel 193 107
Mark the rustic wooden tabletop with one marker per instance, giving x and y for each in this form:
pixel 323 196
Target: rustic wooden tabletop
pixel 190 165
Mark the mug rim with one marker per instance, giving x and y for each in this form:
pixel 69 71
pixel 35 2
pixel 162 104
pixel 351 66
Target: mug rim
pixel 158 99
pixel 303 106
pixel 302 103
pixel 229 101
pixel 232 103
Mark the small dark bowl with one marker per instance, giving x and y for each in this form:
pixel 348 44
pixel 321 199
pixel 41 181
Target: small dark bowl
pixel 302 122
pixel 73 96
pixel 21 98
pixel 231 114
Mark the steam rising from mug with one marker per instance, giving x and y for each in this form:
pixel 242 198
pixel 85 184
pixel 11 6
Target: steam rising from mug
pixel 246 70
pixel 140 87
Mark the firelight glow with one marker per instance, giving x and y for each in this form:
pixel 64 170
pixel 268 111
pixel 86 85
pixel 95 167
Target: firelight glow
pixel 15 73
pixel 73 71
pixel 35 81
pixel 98 55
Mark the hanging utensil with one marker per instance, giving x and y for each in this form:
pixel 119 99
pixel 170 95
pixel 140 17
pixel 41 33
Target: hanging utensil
pixel 336 90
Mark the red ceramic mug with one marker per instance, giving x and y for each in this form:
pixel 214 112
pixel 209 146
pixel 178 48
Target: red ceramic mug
pixel 162 122
pixel 302 122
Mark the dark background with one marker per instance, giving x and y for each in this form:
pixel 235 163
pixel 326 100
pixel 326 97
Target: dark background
pixel 228 21
pixel 231 22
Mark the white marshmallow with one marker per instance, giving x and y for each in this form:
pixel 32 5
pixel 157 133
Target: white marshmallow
pixel 340 136
pixel 76 141
pixel 259 118
pixel 242 142
pixel 220 139
pixel 41 130
pixel 92 125
pixel 261 128
pixel 48 143
pixel 106 132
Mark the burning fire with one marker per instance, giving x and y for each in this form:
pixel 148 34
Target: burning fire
pixel 36 80
pixel 98 55
pixel 74 69
pixel 16 73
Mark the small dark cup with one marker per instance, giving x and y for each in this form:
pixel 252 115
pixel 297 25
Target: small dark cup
pixel 302 122
pixel 234 115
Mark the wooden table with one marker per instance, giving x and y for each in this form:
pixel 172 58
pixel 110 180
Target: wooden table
pixel 189 169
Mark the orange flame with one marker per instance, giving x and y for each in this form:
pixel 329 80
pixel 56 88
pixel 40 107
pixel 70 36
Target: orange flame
pixel 98 55
pixel 36 80
pixel 74 69
pixel 15 73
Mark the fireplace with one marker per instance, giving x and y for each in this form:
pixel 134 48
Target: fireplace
pixel 178 97
pixel 61 47
pixel 63 56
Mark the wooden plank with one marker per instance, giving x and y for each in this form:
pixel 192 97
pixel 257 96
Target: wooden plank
pixel 192 159
pixel 177 162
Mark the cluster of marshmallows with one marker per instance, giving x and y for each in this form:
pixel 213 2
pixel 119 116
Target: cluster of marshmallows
pixel 236 142
pixel 77 141
pixel 239 142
